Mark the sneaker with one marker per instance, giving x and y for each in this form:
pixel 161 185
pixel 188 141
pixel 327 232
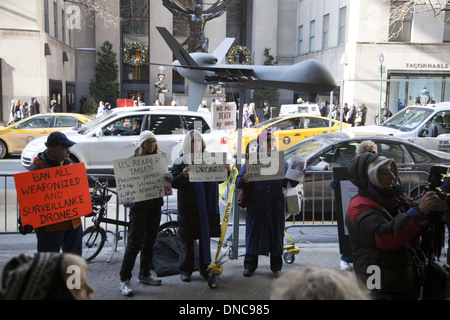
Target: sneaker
pixel 125 288
pixel 345 266
pixel 148 280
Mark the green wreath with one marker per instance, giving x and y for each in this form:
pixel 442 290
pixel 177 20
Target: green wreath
pixel 135 54
pixel 235 51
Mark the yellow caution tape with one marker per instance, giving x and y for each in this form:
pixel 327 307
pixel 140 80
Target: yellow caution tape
pixel 215 268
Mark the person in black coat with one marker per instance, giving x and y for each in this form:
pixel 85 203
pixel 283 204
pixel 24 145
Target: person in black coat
pixel 198 210
pixel 384 229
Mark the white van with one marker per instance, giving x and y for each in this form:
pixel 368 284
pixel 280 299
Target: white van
pixel 292 109
pixel 425 125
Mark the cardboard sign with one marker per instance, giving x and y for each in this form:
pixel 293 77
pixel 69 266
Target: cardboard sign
pixel 224 116
pixel 53 195
pixel 344 192
pixel 262 167
pixel 207 167
pixel 296 168
pixel 141 178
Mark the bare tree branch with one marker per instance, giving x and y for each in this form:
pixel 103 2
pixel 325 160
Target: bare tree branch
pixel 92 6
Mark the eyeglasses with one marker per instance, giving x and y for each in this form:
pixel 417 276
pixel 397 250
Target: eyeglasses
pixel 150 141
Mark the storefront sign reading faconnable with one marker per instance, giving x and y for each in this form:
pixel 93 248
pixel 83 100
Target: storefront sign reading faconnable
pixel 427 65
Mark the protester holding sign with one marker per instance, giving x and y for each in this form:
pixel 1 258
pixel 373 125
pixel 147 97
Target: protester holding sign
pixel 65 235
pixel 198 210
pixel 144 218
pixel 265 212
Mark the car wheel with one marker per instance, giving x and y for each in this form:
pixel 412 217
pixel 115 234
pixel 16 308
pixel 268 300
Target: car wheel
pixel 3 149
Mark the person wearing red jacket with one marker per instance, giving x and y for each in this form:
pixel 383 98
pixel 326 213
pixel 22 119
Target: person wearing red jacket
pixel 384 228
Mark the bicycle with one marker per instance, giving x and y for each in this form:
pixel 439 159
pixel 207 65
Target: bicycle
pixel 95 236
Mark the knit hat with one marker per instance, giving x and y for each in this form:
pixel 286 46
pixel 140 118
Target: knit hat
pixel 37 276
pixel 145 135
pixel 374 166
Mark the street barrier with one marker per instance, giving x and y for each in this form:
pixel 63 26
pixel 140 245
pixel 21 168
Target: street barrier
pixel 318 202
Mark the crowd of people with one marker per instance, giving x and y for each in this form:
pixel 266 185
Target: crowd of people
pixel 20 111
pixel 384 228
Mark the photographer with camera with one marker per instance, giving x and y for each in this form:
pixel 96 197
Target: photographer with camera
pixel 384 227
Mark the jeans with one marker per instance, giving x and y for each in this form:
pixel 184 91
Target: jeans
pixel 68 240
pixel 144 225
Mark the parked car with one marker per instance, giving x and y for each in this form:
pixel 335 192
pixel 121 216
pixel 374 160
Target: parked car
pixel 110 137
pixel 325 151
pixel 425 125
pixel 15 137
pixel 287 131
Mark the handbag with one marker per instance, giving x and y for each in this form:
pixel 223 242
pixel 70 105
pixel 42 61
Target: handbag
pixel 291 200
pixel 436 284
pixel 214 225
pixel 243 197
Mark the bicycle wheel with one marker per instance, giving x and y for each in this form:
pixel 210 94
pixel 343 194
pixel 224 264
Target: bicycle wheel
pixel 169 228
pixel 93 241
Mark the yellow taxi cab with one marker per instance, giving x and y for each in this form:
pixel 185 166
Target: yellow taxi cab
pixel 286 130
pixel 15 137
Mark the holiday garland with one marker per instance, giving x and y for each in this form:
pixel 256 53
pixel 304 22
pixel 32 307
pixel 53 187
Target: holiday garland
pixel 135 54
pixel 235 51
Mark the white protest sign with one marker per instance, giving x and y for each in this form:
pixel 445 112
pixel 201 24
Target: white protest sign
pixel 140 178
pixel 296 168
pixel 208 167
pixel 263 166
pixel 224 116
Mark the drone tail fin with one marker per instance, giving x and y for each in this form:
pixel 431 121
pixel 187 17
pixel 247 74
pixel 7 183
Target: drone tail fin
pixel 180 54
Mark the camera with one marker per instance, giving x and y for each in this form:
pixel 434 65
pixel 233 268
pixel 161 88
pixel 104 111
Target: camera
pixel 435 179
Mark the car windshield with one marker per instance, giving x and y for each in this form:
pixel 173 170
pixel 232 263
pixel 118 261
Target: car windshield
pixel 266 123
pixel 408 119
pixel 306 148
pixel 93 124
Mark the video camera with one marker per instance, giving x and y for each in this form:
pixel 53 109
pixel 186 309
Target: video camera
pixel 435 179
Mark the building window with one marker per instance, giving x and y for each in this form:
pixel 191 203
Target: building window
pixel 342 25
pixel 325 30
pixel 410 89
pixel 312 35
pixel 55 19
pixel 46 21
pixel 447 25
pixel 300 40
pixel 135 33
pixel 63 26
pixel 400 20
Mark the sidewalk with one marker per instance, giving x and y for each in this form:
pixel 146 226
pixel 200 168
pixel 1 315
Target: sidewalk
pixel 104 277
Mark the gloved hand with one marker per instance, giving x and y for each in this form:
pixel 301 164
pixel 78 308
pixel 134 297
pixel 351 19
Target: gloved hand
pixel 169 177
pixel 129 204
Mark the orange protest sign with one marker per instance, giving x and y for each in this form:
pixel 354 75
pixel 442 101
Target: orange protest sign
pixel 53 195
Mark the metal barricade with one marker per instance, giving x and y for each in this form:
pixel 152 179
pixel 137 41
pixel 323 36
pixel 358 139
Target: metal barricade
pixel 9 206
pixel 318 198
pixel 318 202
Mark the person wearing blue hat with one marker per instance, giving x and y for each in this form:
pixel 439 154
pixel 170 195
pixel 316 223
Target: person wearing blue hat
pixel 66 235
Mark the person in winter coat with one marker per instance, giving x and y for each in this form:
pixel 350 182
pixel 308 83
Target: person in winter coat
pixel 265 218
pixel 145 217
pixel 351 115
pixel 65 235
pixel 384 229
pixel 198 210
